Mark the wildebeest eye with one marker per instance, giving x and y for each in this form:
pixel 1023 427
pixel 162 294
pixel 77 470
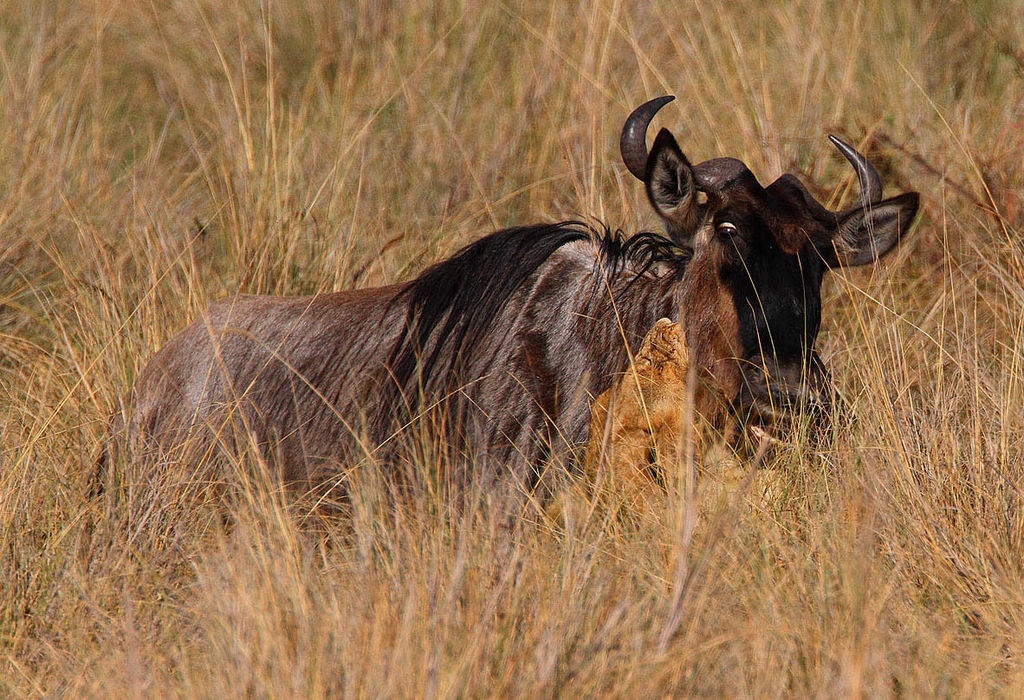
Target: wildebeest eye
pixel 726 229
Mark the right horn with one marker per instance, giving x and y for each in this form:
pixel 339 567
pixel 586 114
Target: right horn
pixel 867 176
pixel 633 142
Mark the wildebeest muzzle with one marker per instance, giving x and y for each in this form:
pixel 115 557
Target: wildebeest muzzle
pixel 772 393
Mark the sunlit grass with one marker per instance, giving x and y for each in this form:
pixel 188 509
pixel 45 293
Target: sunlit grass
pixel 155 156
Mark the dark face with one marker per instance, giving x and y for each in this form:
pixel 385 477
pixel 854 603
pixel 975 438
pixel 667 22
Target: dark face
pixel 752 308
pixel 774 282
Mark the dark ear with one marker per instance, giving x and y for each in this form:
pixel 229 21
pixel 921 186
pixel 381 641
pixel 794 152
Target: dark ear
pixel 671 187
pixel 866 234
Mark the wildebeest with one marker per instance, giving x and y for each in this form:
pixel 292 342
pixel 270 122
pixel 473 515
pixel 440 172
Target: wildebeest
pixel 505 344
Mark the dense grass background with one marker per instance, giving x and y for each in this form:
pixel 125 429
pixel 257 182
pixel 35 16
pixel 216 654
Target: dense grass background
pixel 156 155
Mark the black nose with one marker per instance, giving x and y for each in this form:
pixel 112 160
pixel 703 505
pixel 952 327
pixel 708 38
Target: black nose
pixel 773 391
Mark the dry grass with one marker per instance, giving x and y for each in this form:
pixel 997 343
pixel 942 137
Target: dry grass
pixel 156 155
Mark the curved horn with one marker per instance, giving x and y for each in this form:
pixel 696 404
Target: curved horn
pixel 867 176
pixel 633 142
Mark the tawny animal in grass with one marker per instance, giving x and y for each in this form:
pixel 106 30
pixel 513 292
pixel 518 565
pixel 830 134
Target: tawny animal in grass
pixel 653 424
pixel 648 415
pixel 504 345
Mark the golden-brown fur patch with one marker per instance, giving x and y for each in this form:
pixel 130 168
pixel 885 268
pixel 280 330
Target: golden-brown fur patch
pixel 640 419
pixel 657 418
pixel 711 321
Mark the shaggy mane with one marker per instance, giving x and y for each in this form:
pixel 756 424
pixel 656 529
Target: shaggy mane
pixel 456 300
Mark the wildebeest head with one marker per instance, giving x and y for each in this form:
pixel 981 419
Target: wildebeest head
pixel 759 255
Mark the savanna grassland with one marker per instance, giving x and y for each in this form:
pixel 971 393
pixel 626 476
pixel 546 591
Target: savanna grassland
pixel 157 155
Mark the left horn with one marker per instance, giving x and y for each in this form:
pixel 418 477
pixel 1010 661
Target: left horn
pixel 633 142
pixel 867 176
